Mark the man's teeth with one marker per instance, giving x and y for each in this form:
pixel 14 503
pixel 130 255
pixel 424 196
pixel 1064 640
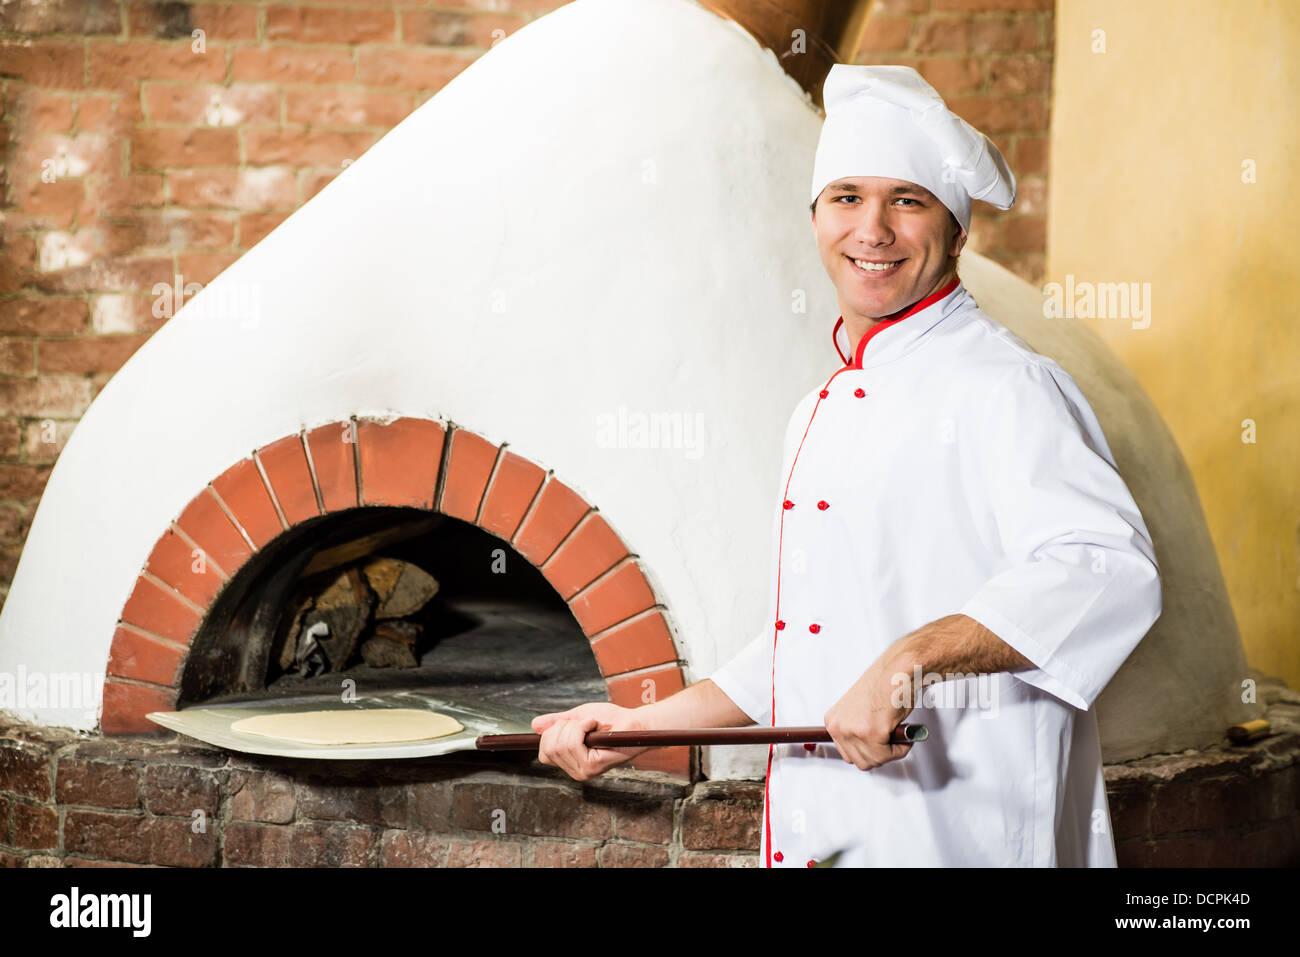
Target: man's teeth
pixel 874 267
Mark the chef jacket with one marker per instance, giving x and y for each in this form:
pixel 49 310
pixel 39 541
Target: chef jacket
pixel 947 468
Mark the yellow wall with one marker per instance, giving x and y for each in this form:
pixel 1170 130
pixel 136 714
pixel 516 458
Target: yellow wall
pixel 1148 141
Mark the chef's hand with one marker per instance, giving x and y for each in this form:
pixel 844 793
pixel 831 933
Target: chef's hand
pixel 861 722
pixel 563 733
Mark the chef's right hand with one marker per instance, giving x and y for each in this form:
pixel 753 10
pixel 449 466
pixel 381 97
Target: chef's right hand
pixel 563 735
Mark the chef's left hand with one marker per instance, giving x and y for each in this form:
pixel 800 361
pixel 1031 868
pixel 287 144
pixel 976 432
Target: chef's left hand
pixel 861 722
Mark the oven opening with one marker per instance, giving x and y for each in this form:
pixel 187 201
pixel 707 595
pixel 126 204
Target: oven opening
pixel 391 599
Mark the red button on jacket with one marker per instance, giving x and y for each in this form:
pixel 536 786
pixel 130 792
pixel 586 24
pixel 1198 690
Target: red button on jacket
pixel 823 393
pixel 778 857
pixel 859 393
pixel 823 505
pixel 814 628
pixel 779 624
pixel 787 504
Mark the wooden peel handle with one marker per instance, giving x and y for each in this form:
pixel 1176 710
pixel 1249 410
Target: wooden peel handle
pixel 903 734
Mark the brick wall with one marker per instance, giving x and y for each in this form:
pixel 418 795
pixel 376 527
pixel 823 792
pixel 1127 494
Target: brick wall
pixel 78 801
pixel 73 801
pixel 136 154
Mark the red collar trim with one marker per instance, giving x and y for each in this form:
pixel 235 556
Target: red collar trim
pixel 889 320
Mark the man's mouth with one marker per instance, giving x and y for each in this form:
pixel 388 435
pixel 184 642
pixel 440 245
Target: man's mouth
pixel 874 265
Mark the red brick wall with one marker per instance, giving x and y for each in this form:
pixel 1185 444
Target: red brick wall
pixel 169 162
pixel 164 163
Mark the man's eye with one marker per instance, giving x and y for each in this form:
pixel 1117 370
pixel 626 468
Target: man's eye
pixel 901 199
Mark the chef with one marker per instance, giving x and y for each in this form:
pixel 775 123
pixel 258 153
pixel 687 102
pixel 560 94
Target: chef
pixel 952 544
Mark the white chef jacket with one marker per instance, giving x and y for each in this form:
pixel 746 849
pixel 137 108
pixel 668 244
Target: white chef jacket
pixel 947 468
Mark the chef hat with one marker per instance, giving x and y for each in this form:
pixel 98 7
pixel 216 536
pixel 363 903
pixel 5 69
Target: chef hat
pixel 887 121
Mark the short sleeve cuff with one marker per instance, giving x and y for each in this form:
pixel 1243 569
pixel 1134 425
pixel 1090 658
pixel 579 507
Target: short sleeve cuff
pixel 1055 677
pixel 753 704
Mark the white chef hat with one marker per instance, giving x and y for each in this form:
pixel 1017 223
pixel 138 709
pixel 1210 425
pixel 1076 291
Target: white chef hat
pixel 887 121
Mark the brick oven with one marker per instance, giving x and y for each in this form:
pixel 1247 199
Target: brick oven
pixel 205 613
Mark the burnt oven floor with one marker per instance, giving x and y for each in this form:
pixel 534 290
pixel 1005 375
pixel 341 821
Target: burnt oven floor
pixel 516 653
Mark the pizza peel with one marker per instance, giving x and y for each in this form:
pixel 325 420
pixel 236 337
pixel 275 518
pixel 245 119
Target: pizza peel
pixel 903 734
pixel 487 726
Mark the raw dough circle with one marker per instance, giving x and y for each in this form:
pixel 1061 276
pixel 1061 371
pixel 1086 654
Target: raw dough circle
pixel 355 726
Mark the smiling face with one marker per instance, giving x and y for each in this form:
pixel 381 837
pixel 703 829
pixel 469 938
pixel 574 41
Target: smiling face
pixel 905 243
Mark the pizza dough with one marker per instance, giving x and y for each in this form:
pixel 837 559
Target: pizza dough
pixel 355 726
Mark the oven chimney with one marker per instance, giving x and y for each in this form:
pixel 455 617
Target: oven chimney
pixel 807 36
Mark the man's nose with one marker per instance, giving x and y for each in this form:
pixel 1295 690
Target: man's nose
pixel 872 225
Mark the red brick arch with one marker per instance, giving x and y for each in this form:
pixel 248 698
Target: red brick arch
pixel 363 462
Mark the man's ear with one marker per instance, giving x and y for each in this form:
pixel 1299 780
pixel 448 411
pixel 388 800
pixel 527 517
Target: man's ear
pixel 958 239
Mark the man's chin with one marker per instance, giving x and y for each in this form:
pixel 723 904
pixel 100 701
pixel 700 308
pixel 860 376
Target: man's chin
pixel 879 307
pixel 883 299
